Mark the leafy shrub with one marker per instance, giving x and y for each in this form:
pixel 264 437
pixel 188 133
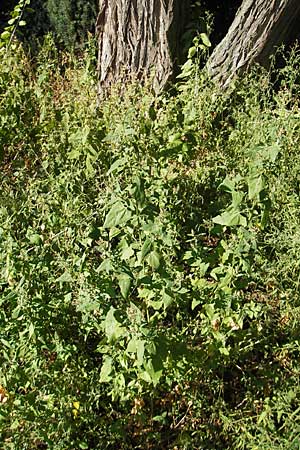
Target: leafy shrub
pixel 148 257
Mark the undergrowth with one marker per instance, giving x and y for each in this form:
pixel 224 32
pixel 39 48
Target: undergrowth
pixel 149 256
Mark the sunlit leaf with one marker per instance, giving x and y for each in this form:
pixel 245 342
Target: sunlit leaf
pixel 112 327
pixel 106 370
pixel 117 166
pixel 64 278
pixel 118 215
pixel 154 260
pixel 205 39
pixel 5 36
pixel 256 185
pixel 140 350
pixel 231 217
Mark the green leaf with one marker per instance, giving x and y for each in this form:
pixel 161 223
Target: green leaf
pixel 145 377
pixel 105 266
pixel 140 350
pixel 5 36
pixel 256 185
pixel 135 314
pixel 162 419
pixel 89 168
pixel 146 248
pixel 205 39
pixel 117 166
pixel 137 346
pixel 237 198
pixel 261 154
pixel 231 217
pixel 132 346
pixel 153 374
pixel 186 69
pixel 175 138
pixel 31 330
pixel 112 328
pixel 154 260
pixel 140 191
pixel 192 52
pixel 74 154
pixel 35 239
pixel 167 300
pixel 229 184
pixel 224 351
pixel 195 303
pixel 64 278
pixel 272 152
pixel 127 253
pixel 265 215
pixel 124 284
pixel 156 305
pixel 106 370
pixel 118 215
pixel 83 445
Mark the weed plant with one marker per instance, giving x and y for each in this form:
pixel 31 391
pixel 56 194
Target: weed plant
pixel 149 258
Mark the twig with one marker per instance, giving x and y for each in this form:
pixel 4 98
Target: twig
pixel 17 24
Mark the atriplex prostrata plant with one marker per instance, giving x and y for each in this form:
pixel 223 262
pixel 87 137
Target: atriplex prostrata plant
pixel 147 296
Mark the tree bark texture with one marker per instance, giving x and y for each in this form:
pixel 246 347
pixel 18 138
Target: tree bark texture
pixel 259 26
pixel 138 38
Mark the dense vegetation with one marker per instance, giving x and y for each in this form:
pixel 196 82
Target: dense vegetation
pixel 149 257
pixel 70 21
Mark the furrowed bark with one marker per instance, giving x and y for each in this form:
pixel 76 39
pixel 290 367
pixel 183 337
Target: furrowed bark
pixel 259 26
pixel 139 37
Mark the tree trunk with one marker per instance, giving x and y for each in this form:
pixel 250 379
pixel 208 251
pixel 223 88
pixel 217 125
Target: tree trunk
pixel 259 26
pixel 138 38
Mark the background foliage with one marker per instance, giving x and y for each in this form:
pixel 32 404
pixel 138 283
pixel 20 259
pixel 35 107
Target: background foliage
pixel 70 21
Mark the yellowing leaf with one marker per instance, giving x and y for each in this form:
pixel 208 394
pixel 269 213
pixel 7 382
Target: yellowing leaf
pixel 3 395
